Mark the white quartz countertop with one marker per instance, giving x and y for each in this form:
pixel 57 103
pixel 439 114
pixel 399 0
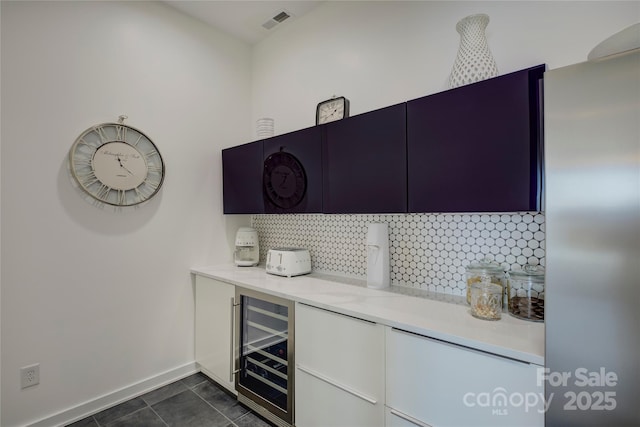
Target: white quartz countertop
pixel 447 321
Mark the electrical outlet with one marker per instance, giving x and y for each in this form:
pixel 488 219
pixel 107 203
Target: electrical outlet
pixel 30 375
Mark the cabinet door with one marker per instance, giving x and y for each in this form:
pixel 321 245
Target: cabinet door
pixel 442 384
pixel 242 179
pixel 364 163
pixel 214 323
pixel 339 370
pixel 288 190
pixel 477 148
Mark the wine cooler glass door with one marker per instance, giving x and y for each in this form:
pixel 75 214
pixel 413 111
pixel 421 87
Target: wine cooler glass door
pixel 264 357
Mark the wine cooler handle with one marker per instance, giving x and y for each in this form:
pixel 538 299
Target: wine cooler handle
pixel 232 353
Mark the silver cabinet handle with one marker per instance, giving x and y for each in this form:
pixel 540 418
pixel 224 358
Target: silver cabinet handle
pixel 232 355
pixel 338 385
pixel 409 419
pixel 462 347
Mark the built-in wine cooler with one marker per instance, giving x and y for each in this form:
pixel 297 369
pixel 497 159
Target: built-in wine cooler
pixel 264 355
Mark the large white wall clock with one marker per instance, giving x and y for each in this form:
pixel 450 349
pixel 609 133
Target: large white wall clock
pixel 116 164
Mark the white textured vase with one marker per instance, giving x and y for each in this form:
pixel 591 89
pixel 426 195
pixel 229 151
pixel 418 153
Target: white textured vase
pixel 264 127
pixel 474 61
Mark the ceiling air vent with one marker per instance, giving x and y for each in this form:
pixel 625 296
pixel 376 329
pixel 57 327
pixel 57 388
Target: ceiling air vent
pixel 278 18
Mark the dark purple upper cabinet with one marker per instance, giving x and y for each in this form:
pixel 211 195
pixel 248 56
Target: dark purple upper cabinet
pixel 364 162
pixel 477 148
pixel 292 175
pixel 242 179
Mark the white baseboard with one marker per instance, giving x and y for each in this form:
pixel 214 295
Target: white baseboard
pixel 222 383
pixel 108 400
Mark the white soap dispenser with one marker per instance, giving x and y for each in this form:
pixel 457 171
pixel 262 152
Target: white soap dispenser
pixel 378 256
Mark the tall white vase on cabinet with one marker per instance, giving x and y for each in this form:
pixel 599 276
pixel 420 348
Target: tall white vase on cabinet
pixel 474 61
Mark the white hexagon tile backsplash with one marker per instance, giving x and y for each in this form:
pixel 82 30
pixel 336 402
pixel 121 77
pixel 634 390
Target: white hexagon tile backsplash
pixel 428 251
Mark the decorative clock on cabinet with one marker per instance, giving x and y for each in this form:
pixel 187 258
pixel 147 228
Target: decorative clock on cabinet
pixel 116 164
pixel 284 180
pixel 333 109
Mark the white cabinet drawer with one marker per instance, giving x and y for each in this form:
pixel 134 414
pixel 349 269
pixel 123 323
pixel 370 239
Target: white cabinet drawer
pixel 347 349
pixel 213 326
pixel 442 384
pixel 322 403
pixel 340 369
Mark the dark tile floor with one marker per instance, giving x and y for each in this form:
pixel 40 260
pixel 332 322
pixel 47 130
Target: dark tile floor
pixel 195 401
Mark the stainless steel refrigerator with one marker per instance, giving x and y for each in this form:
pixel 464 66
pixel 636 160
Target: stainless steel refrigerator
pixel 592 301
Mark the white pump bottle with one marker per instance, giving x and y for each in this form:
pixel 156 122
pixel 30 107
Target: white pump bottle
pixel 378 256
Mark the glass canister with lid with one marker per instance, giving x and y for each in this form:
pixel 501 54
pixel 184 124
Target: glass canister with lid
pixel 526 293
pixel 486 300
pixel 484 270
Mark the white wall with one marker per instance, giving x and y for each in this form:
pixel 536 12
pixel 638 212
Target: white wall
pixel 103 299
pixel 378 53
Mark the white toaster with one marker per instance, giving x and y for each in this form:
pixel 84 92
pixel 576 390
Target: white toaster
pixel 288 261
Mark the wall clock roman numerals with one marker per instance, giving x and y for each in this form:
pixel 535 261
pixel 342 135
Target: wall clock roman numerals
pixel 116 164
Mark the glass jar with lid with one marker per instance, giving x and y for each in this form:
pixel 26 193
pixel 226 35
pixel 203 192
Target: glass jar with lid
pixel 526 293
pixel 486 300
pixel 484 269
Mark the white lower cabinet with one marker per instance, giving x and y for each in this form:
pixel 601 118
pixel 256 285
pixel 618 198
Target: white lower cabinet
pixel 214 323
pixel 340 364
pixel 435 383
pixel 351 372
